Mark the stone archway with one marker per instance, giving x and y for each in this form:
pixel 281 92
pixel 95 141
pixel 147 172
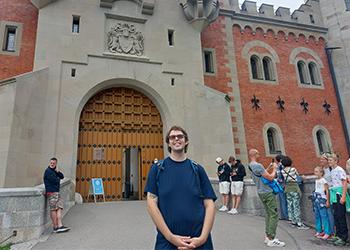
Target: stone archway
pixel 115 125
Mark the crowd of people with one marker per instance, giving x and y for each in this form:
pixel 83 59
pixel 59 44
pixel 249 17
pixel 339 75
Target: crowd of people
pixel 330 199
pixel 181 199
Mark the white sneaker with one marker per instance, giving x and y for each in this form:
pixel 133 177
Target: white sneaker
pixel 223 209
pixel 267 240
pixel 275 243
pixel 302 227
pixel 233 211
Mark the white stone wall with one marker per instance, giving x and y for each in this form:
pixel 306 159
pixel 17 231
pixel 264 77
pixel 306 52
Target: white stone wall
pixel 7 96
pixel 47 103
pixel 337 20
pixel 26 211
pixel 29 137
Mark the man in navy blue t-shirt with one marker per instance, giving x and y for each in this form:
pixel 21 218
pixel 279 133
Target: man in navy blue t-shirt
pixel 180 198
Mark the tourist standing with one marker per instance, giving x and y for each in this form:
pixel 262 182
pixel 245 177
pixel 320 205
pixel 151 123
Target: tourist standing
pixel 224 172
pixel 237 175
pixel 338 196
pixel 293 193
pixel 52 178
pixel 328 177
pixel 320 203
pixel 282 195
pixel 180 198
pixel 266 196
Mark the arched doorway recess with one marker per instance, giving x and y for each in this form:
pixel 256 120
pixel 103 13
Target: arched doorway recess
pixel 120 134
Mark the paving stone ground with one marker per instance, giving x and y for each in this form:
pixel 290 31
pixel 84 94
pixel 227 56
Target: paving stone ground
pixel 126 225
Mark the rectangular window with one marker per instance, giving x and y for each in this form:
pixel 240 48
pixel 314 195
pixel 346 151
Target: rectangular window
pixel 171 37
pixel 312 20
pixel 73 72
pixel 347 5
pixel 76 24
pixel 208 62
pixel 10 39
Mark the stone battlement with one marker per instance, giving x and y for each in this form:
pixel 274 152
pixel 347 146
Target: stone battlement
pixel 308 13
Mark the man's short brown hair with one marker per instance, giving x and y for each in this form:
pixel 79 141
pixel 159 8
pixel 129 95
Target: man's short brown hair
pixel 231 159
pixel 176 128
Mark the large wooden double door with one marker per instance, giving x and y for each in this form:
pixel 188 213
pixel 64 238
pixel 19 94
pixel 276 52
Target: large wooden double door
pixel 117 126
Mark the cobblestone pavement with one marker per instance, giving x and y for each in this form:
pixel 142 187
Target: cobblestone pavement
pixel 126 225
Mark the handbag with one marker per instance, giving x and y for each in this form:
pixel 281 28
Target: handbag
pixel 274 185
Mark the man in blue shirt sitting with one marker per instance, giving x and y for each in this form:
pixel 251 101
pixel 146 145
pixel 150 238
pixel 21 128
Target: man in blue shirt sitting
pixel 180 198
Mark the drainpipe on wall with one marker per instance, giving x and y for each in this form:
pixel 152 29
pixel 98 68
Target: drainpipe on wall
pixel 335 83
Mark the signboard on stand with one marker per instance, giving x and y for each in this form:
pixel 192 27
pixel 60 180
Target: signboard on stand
pixel 96 188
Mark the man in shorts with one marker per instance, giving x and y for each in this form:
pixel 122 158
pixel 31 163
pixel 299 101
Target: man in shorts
pixel 237 175
pixel 224 171
pixel 52 179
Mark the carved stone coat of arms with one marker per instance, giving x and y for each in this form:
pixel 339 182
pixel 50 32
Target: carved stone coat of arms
pixel 123 38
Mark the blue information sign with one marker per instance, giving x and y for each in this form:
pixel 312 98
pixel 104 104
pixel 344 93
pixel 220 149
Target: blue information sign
pixel 97 186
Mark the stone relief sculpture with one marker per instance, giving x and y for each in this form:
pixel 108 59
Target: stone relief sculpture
pixel 200 12
pixel 125 39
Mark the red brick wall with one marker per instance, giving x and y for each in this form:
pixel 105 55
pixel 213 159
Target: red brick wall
pixel 21 11
pixel 295 125
pixel 214 37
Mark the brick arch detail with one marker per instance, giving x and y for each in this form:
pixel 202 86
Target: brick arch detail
pixel 295 52
pixel 257 43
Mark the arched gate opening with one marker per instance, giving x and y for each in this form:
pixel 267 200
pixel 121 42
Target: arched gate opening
pixel 120 134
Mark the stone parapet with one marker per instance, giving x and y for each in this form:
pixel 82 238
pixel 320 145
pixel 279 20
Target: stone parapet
pixel 25 211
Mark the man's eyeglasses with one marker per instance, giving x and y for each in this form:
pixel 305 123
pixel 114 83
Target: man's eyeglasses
pixel 173 137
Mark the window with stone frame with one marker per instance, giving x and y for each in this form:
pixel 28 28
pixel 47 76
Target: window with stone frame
pixel 273 141
pixel 10 39
pixel 255 66
pixel 268 69
pixel 303 73
pixel 314 74
pixel 76 24
pixel 209 61
pixel 322 142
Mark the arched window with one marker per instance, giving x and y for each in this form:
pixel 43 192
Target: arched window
pixel 322 142
pixel 302 73
pixel 315 80
pixel 273 140
pixel 255 65
pixel 268 69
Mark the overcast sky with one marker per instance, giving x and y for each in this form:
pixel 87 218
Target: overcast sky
pixel 292 4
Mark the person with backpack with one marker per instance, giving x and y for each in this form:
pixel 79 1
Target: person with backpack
pixel 282 195
pixel 237 174
pixel 223 173
pixel 267 197
pixel 180 198
pixel 293 193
